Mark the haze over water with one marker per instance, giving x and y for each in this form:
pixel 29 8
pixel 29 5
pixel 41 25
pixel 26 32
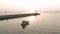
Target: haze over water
pixel 46 23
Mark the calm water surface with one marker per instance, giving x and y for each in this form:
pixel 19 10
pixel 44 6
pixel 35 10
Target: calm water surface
pixel 46 23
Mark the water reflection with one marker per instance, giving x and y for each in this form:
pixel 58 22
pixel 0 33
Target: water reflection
pixel 30 19
pixel 46 23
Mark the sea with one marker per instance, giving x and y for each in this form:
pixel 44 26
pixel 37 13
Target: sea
pixel 45 23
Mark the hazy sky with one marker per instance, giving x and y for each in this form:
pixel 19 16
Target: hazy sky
pixel 17 5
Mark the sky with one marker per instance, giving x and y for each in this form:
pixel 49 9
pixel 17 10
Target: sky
pixel 23 5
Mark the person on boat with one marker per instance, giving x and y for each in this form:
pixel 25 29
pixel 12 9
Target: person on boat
pixel 24 24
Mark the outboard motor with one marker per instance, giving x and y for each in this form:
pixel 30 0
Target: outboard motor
pixel 24 24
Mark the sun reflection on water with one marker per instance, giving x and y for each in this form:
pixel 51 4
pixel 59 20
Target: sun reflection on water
pixel 30 19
